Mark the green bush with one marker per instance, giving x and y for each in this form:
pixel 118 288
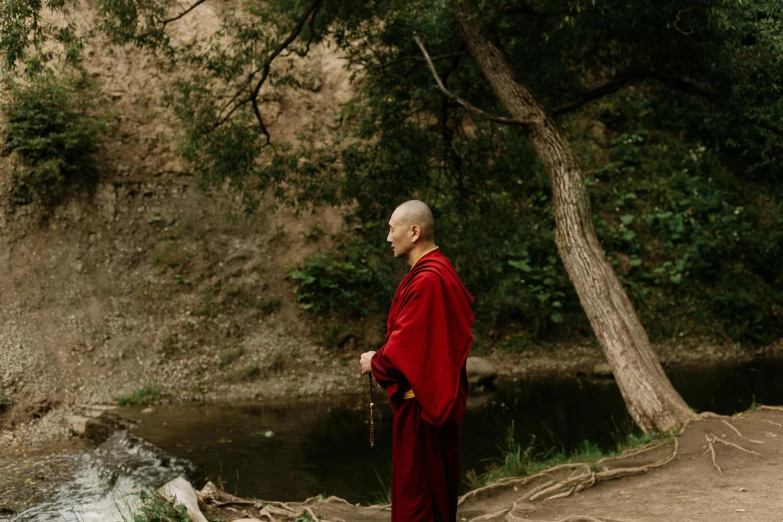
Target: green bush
pixel 52 129
pixel 155 508
pixel 147 394
pixel 351 281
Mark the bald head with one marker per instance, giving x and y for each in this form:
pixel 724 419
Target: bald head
pixel 415 212
pixel 411 230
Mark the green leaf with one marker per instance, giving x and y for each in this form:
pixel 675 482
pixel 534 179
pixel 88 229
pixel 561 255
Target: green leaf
pixel 520 265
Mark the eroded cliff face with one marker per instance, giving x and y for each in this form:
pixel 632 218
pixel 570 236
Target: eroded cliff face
pixel 149 279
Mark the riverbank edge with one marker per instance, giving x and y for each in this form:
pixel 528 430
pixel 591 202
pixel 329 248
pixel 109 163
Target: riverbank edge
pixel 89 421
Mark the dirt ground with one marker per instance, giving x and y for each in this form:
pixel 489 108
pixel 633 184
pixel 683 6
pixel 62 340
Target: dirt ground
pixel 719 469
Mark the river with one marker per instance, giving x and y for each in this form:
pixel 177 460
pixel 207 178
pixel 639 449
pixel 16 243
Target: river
pixel 301 448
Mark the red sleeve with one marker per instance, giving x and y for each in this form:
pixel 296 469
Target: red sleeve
pixel 385 373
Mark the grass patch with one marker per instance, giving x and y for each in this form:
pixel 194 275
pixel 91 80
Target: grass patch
pixel 153 508
pixel 5 401
pixel 382 497
pixel 251 373
pixel 149 393
pixel 268 305
pixel 229 356
pixel 516 461
pixel 168 253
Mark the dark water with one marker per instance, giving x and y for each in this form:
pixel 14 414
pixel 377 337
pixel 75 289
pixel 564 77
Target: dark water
pixel 303 448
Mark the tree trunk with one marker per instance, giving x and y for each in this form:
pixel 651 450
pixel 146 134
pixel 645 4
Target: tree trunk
pixel 651 399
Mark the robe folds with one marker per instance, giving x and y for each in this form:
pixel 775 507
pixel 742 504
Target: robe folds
pixel 428 338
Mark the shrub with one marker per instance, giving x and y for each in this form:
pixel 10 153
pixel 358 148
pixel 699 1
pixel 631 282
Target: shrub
pixel 5 401
pixel 145 395
pixel 155 508
pixel 53 132
pixel 351 281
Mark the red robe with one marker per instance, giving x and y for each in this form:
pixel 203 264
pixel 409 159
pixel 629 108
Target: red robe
pixel 428 338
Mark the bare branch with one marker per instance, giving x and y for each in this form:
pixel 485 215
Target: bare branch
pixel 464 103
pixel 311 11
pixel 264 70
pixel 633 75
pixel 630 76
pixel 183 13
pixel 418 59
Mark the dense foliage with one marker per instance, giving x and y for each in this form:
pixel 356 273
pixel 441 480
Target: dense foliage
pixel 673 108
pixel 53 132
pixel 682 165
pixel 352 281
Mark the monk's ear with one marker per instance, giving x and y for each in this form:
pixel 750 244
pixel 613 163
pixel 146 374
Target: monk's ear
pixel 415 233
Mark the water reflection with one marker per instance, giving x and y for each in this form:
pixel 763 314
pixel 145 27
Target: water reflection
pixel 299 449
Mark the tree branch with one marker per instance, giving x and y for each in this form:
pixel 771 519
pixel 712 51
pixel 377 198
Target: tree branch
pixel 419 59
pixel 264 69
pixel 629 76
pixel 183 13
pixel 464 103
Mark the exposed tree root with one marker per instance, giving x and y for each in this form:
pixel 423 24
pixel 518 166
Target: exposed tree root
pixel 727 423
pixel 489 516
pixel 712 439
pixel 583 476
pixel 711 449
pixel 773 408
pixel 779 425
pixel 516 481
pixel 589 478
pixel 736 446
pixel 272 511
pixel 573 518
pixel 633 452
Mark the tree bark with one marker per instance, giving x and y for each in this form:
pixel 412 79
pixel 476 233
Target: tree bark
pixel 652 401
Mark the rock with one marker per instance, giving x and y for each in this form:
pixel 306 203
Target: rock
pixel 180 491
pixel 210 493
pixel 602 370
pixel 78 425
pixel 481 372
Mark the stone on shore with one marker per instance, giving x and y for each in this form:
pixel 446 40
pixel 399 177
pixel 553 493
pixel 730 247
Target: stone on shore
pixel 180 491
pixel 481 372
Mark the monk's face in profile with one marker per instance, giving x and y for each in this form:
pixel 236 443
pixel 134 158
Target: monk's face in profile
pixel 402 236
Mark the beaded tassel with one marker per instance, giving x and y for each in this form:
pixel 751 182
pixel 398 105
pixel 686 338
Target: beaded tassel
pixel 372 417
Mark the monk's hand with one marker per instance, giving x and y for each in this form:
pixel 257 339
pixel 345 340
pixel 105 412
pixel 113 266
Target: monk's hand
pixel 365 362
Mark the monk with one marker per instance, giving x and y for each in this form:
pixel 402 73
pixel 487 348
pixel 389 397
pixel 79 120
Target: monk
pixel 422 368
